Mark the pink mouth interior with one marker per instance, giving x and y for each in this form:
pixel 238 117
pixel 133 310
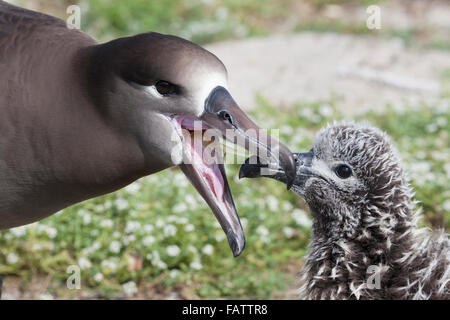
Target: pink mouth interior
pixel 210 172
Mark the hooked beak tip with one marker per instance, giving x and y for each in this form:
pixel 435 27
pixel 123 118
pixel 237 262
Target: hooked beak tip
pixel 236 242
pixel 290 170
pixel 241 174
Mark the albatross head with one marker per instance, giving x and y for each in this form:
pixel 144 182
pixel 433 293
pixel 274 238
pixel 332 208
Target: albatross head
pixel 168 92
pixel 351 179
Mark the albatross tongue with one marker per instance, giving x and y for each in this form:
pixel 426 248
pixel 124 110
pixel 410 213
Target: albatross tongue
pixel 206 172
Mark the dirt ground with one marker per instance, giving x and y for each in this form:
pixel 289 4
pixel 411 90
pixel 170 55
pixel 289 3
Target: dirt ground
pixel 362 72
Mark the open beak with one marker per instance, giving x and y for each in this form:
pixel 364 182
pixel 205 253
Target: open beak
pixel 205 168
pixel 221 203
pixel 252 168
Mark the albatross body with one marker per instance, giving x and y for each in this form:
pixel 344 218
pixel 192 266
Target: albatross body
pixel 81 119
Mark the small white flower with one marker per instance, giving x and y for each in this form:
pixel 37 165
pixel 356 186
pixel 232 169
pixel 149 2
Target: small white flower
pixel 180 207
pixel 128 239
pixel 288 232
pixel 132 226
pixel 189 228
pixel 82 212
pixel 287 206
pixel 12 258
pixel 148 241
pixel 87 219
pixel 19 231
pixel 133 188
pixel 301 218
pixel 196 265
pixel 130 288
pixel 173 250
pixel 272 203
pixel 287 130
pixel 172 218
pixel 170 230
pixel 180 180
pixel 219 237
pixel 98 277
pixel 190 200
pixel 154 256
pixel 95 246
pixel 51 232
pixel 115 246
pixel 208 249
pixel 107 204
pixel 36 247
pixel 84 263
pixel 326 110
pixel 446 205
pixel 261 230
pixel 155 259
pixel 159 223
pixel 192 249
pixel 148 228
pixel 432 127
pixel 161 265
pixel 106 223
pixel 447 169
pixel 441 122
pixel 182 220
pixel 173 273
pixel 109 265
pixel 121 204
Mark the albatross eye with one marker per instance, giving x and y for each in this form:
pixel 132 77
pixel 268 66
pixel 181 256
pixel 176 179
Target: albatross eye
pixel 343 171
pixel 165 88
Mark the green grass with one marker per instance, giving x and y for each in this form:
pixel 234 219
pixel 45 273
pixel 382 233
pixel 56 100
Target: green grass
pixel 206 21
pixel 196 20
pixel 107 235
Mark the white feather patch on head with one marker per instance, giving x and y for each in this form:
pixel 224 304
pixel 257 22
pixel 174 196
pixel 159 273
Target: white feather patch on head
pixel 206 82
pixel 153 91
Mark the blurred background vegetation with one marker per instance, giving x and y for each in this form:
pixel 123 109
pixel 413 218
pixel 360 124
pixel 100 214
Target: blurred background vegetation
pixel 157 238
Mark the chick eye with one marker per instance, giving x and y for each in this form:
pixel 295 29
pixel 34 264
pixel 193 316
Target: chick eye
pixel 343 171
pixel 165 88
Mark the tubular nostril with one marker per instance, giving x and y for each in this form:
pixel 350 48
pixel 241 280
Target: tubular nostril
pixel 226 116
pixel 298 161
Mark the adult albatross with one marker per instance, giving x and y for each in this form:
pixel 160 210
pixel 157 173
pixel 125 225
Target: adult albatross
pixel 80 119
